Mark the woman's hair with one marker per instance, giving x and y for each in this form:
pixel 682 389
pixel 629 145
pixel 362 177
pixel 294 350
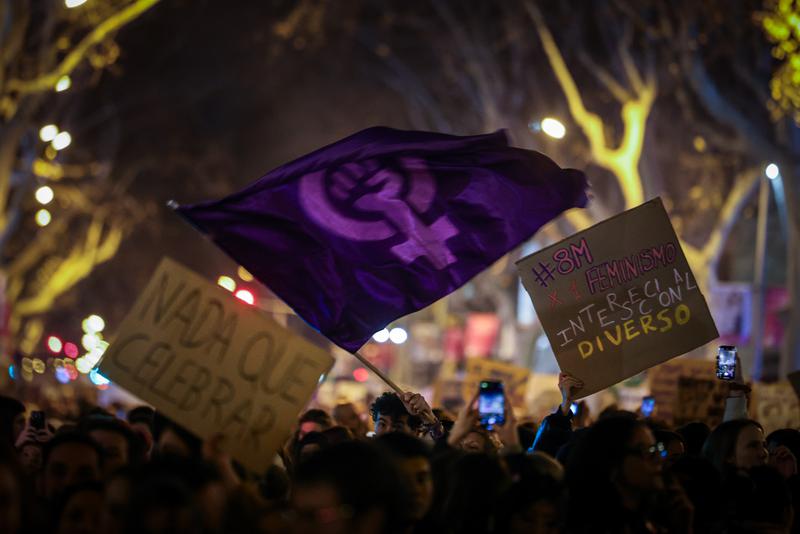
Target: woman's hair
pixel 591 468
pixel 720 447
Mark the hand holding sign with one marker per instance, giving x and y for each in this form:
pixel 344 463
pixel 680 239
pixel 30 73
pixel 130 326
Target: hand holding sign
pixel 213 364
pixel 617 298
pixel 569 387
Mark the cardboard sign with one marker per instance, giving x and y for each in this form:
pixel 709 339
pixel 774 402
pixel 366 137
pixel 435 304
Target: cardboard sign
pixel 775 406
pixel 514 379
pixel 700 399
pixel 664 382
pixel 618 298
pixel 214 364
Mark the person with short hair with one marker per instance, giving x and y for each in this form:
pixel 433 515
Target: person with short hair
pixel 346 415
pixel 68 459
pixel 413 457
pixel 409 414
pixel 313 420
pixel 352 487
pixel 121 445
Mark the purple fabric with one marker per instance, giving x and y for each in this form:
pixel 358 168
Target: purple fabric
pixel 385 222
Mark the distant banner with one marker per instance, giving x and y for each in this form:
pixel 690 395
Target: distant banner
pixel 214 364
pixel 665 380
pixel 700 399
pixel 618 298
pixel 775 406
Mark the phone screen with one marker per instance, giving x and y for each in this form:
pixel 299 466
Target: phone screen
pixel 648 404
pixel 491 404
pixel 574 408
pixel 37 420
pixel 726 362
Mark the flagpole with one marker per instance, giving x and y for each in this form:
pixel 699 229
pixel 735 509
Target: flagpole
pixel 378 372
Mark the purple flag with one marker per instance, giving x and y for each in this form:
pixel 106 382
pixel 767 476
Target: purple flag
pixel 385 222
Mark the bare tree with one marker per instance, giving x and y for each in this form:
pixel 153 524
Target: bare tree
pixel 48 52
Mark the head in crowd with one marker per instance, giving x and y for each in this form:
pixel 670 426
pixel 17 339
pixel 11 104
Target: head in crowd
pixel 412 456
pixel 116 497
pixel 337 434
pixel 533 504
pixel 765 504
pixel 13 496
pixel 694 437
pixel 352 487
pixel 478 440
pixel 12 420
pixel 313 420
pixel 172 439
pixel 346 415
pixel 738 444
pixel 703 486
pixel 477 482
pixel 785 437
pixel 142 421
pixel 389 414
pixel 68 459
pixel 76 510
pixel 611 470
pixel 309 444
pixel 162 505
pixel 121 446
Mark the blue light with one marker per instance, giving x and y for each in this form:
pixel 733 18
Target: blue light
pixel 12 372
pixel 98 379
pixel 62 375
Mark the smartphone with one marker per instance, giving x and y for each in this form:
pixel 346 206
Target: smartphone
pixel 574 408
pixel 726 362
pixel 491 404
pixel 648 404
pixel 37 420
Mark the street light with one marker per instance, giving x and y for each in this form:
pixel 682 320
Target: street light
pixel 772 171
pixel 61 141
pixel 553 127
pixel 43 217
pixel 381 336
pixel 44 195
pixel 398 336
pixel 48 132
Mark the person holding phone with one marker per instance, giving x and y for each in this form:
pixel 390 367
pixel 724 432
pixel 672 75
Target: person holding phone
pixel 556 428
pixel 482 427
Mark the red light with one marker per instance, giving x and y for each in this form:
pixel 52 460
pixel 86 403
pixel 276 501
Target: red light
pixel 71 350
pixel 361 374
pixel 245 296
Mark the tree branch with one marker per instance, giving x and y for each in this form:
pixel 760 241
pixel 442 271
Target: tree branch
pixel 47 81
pixel 78 265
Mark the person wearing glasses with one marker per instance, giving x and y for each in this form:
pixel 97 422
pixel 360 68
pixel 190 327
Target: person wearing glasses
pixel 615 480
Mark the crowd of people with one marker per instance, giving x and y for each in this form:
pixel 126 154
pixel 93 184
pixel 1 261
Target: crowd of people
pixel 402 468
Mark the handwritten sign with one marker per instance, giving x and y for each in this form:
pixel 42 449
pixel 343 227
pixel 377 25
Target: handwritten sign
pixel 618 298
pixel 664 380
pixel 775 406
pixel 214 364
pixel 514 379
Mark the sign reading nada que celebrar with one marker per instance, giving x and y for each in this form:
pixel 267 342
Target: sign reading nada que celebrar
pixel 214 364
pixel 618 298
